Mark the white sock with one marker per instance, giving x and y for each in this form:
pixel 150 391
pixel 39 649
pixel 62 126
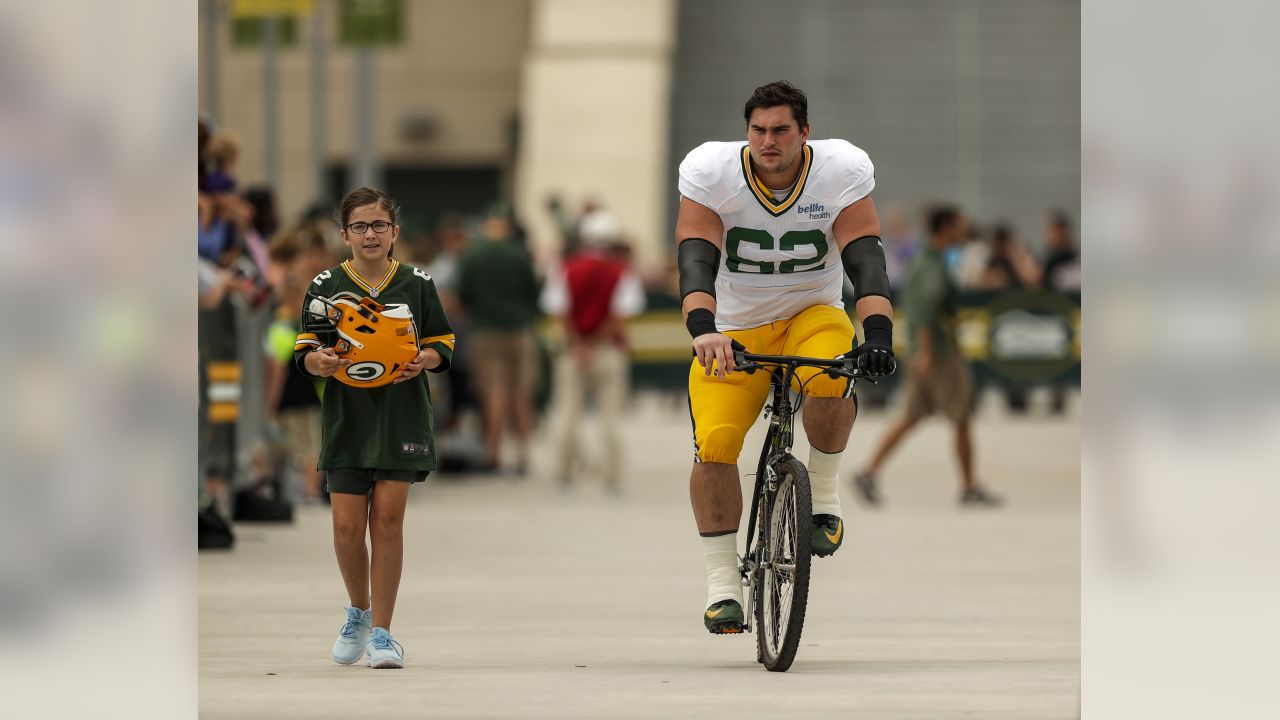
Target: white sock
pixel 824 481
pixel 720 553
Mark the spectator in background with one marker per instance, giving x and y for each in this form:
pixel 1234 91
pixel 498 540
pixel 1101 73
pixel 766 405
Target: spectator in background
pixel 564 222
pixel 967 260
pixel 590 295
pixel 1062 264
pixel 202 153
pixel 499 294
pixel 213 284
pixel 901 244
pixel 223 153
pixel 938 380
pixel 1009 265
pixel 293 399
pixel 1062 274
pixel 450 242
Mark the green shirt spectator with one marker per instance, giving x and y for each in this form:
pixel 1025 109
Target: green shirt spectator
pixel 929 298
pixel 497 286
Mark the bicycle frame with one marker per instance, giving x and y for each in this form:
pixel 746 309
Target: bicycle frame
pixel 777 445
pixel 777 448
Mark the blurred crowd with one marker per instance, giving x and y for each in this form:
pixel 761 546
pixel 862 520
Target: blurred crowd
pixel 540 338
pixel 988 259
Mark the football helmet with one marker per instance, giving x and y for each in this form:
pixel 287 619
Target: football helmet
pixel 376 338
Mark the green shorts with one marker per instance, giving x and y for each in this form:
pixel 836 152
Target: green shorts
pixel 359 481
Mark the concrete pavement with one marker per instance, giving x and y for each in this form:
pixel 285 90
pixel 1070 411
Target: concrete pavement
pixel 519 601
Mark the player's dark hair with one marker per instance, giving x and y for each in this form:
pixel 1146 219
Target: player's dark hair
pixel 780 93
pixel 362 196
pixel 942 217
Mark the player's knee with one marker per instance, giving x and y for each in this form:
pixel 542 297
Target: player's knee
pixel 825 386
pixel 721 444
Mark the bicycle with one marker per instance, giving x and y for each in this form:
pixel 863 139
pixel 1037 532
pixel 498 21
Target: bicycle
pixel 775 568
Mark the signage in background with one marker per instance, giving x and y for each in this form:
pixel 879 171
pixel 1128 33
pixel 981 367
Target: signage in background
pixel 247 17
pixel 370 23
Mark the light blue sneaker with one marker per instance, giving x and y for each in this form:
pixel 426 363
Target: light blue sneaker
pixel 349 646
pixel 384 651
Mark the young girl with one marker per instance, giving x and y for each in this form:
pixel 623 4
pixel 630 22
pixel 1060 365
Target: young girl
pixel 376 441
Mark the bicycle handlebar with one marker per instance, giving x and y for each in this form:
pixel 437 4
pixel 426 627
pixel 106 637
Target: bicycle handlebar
pixel 740 357
pixel 749 362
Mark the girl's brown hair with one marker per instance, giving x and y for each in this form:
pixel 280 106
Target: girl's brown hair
pixel 362 196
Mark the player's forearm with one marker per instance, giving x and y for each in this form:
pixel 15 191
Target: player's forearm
pixel 698 261
pixel 873 305
pixel 694 301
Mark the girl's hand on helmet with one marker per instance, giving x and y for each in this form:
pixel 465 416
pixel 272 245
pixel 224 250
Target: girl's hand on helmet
pixel 426 359
pixel 324 362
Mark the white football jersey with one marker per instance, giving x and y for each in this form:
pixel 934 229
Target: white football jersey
pixel 779 257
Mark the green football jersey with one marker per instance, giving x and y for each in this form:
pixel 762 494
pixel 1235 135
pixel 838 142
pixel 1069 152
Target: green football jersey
pixel 387 427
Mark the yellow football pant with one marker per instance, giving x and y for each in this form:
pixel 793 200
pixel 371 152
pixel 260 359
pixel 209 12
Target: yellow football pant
pixel 724 410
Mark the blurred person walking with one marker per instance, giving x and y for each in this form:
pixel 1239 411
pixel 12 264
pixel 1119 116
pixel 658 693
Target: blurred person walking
pixel 377 441
pixel 590 295
pixel 938 380
pixel 499 294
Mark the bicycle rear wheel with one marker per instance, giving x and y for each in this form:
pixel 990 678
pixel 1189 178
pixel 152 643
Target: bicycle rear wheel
pixel 781 588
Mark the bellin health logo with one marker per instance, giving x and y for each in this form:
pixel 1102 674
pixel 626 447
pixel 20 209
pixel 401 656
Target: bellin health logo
pixel 814 211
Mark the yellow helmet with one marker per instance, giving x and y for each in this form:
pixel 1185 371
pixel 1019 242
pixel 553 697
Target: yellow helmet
pixel 376 338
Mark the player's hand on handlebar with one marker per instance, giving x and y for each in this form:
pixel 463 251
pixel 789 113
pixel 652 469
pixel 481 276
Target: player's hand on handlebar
pixel 715 351
pixel 324 362
pixel 875 359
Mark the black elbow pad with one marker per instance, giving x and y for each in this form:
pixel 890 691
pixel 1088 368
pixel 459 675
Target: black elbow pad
pixel 865 264
pixel 698 261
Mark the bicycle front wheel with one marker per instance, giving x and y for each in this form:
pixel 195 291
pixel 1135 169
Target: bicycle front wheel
pixel 782 586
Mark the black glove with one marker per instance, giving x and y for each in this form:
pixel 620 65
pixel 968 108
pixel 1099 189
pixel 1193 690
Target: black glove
pixel 875 354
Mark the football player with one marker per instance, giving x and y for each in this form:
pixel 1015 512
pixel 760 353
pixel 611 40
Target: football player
pixel 765 233
pixel 377 439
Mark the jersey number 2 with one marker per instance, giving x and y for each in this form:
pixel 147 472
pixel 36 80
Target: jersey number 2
pixel 790 240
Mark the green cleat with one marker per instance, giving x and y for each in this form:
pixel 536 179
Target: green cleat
pixel 724 618
pixel 828 532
